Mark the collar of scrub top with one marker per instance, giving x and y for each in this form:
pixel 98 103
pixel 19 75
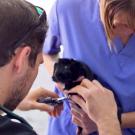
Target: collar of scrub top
pixel 124 50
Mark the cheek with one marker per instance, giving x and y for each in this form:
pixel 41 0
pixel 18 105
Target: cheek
pixel 121 30
pixel 35 73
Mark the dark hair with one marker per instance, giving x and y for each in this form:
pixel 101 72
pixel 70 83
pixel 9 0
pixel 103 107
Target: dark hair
pixel 17 18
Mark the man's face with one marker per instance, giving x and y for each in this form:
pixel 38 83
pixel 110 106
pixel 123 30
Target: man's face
pixel 23 84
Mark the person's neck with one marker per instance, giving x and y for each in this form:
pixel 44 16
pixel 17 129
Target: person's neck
pixel 4 86
pixel 125 40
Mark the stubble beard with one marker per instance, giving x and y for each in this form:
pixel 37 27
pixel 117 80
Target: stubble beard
pixel 19 90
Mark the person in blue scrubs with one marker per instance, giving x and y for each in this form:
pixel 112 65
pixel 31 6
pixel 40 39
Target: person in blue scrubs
pixel 101 34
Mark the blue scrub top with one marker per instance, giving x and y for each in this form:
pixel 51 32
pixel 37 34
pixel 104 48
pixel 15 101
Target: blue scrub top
pixel 77 26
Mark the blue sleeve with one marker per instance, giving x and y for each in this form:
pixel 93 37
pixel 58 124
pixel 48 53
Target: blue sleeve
pixel 52 41
pixel 63 124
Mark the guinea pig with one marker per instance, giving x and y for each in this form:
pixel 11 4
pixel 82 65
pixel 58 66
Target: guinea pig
pixel 68 71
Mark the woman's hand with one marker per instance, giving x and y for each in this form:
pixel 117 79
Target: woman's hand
pixel 81 119
pixel 95 100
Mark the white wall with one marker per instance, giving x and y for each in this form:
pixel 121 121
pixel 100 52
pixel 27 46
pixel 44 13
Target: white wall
pixel 46 4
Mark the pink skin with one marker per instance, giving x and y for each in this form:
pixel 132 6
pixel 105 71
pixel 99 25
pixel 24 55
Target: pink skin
pixel 121 28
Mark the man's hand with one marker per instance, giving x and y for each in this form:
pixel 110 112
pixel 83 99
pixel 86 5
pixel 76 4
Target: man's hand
pixel 80 118
pixel 30 102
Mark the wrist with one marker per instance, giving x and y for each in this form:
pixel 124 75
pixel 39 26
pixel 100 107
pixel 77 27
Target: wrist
pixel 81 131
pixel 85 132
pixel 109 126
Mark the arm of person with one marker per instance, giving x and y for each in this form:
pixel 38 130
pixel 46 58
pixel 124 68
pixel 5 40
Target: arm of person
pixel 128 120
pixel 52 43
pixel 49 61
pixel 99 104
pixel 109 126
pixel 30 102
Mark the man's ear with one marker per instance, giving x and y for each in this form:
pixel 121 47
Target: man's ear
pixel 21 61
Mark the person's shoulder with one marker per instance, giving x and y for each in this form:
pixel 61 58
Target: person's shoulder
pixel 72 5
pixel 10 127
pixel 64 4
pixel 69 2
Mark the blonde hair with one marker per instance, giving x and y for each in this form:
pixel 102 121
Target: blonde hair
pixel 109 8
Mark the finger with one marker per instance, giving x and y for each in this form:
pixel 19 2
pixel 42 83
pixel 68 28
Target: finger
pixel 54 113
pixel 58 109
pixel 98 84
pixel 76 121
pixel 48 93
pixel 87 83
pixel 50 113
pixel 41 92
pixel 42 107
pixel 80 78
pixel 79 101
pixel 80 114
pixel 76 108
pixel 75 113
pixel 83 89
pixel 61 108
pixel 78 90
pixel 71 102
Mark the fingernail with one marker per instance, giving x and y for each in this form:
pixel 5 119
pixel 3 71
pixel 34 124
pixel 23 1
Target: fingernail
pixel 51 108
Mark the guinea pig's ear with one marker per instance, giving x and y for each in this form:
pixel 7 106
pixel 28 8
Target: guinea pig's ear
pixel 54 72
pixel 55 68
pixel 60 60
pixel 72 60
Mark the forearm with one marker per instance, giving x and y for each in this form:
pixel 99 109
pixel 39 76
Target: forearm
pixel 49 61
pixel 128 120
pixel 109 127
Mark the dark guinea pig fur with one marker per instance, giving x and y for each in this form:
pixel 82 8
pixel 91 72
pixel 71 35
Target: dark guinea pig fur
pixel 67 71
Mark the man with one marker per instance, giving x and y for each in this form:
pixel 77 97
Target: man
pixel 23 29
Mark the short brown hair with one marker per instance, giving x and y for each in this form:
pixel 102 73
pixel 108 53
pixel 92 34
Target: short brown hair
pixel 109 8
pixel 17 17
